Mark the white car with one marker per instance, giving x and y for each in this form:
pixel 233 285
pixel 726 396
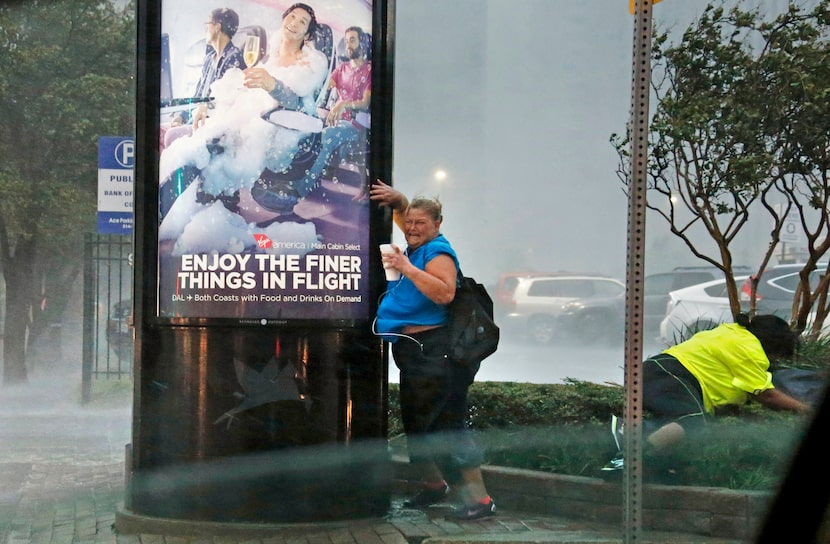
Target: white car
pixel 695 308
pixel 578 307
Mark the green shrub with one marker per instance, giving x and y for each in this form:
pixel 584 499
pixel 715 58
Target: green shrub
pixel 812 354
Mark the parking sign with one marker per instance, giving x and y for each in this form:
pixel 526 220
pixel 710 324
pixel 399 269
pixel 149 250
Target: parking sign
pixel 116 157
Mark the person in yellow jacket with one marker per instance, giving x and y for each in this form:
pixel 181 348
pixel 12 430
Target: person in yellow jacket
pixel 727 365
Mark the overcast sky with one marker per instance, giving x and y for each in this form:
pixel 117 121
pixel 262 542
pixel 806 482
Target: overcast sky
pixel 516 100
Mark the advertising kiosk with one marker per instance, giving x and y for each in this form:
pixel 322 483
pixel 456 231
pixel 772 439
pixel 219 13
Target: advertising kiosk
pixel 260 392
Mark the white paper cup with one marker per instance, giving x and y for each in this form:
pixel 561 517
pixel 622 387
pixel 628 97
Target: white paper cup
pixel 392 274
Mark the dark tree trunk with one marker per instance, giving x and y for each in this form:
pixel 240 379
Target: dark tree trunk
pixel 14 343
pixel 18 273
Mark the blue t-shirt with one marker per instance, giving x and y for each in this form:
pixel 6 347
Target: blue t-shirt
pixel 403 304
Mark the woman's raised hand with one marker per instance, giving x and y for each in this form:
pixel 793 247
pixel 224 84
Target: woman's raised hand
pixel 386 195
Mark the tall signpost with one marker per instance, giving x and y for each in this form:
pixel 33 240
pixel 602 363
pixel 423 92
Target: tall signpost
pixel 635 265
pixel 260 391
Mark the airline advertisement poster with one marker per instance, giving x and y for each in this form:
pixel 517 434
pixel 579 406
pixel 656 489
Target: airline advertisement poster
pixel 263 165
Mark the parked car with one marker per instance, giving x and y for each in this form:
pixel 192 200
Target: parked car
pixel 776 289
pixel 577 307
pixel 658 286
pixel 503 291
pixel 695 308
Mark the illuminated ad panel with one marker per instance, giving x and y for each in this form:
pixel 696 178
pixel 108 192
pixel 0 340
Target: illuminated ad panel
pixel 263 168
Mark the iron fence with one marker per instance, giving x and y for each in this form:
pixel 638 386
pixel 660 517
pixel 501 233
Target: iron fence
pixel 108 310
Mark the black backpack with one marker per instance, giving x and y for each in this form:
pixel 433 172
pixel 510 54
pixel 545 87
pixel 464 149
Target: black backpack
pixel 474 335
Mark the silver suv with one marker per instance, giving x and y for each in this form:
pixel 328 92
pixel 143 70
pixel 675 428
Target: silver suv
pixel 577 307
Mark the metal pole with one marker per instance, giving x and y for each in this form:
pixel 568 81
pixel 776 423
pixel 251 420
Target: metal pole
pixel 640 88
pixel 88 321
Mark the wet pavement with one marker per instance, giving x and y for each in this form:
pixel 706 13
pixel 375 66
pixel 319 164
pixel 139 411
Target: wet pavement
pixel 62 481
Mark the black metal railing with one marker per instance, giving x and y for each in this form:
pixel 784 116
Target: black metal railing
pixel 108 310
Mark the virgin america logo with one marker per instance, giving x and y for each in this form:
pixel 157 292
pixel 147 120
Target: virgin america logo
pixel 262 241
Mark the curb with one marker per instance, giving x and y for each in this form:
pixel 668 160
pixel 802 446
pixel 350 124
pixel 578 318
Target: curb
pixel 709 511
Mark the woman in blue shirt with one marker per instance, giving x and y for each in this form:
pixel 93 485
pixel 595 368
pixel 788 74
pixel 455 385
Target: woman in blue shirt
pixel 412 316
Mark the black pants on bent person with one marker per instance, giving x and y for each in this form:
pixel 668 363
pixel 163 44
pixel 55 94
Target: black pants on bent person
pixel 671 394
pixel 434 404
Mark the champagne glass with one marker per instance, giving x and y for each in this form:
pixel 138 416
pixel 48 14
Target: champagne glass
pixel 250 53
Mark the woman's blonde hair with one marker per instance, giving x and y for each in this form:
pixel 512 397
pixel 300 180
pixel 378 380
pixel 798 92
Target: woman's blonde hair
pixel 432 206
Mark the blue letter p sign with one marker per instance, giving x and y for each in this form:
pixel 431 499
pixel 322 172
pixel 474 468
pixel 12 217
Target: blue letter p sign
pixel 125 153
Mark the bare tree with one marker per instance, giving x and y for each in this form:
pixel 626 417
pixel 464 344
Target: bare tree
pixel 728 137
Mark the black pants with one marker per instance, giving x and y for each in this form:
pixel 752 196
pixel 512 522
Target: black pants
pixel 434 404
pixel 671 394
